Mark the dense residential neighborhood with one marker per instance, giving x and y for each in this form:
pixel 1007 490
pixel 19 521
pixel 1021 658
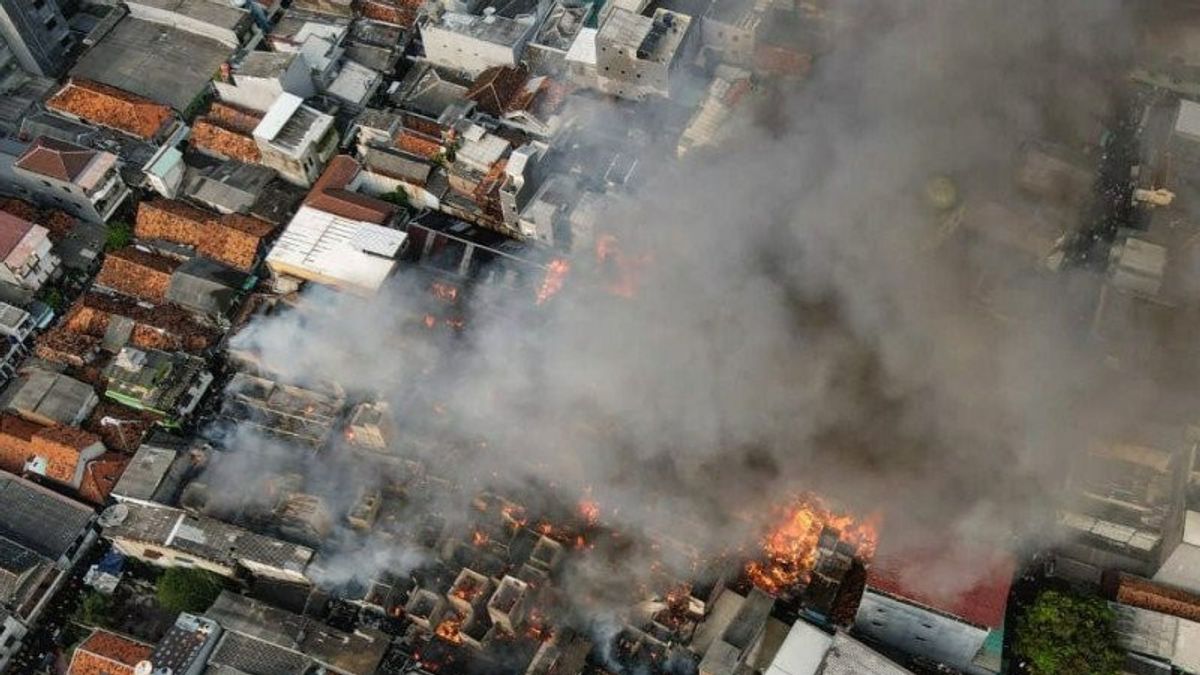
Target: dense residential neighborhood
pixel 599 337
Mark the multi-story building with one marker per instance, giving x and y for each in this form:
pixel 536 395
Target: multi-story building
pixel 472 43
pixel 25 257
pixel 36 33
pixel 296 140
pixel 637 55
pixel 42 536
pixel 80 180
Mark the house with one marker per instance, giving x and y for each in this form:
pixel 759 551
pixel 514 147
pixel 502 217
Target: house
pixel 168 384
pixel 255 631
pixel 296 140
pixel 170 537
pixel 67 456
pixel 638 56
pixel 25 252
pixel 185 649
pixel 80 180
pixel 338 192
pixel 708 125
pixel 153 476
pixel 169 63
pixel 113 321
pixel 262 77
pixel 546 53
pixel 46 397
pixel 234 239
pixel 285 411
pixel 105 653
pixel 909 606
pixel 43 535
pixel 16 325
pixel 494 36
pixel 1155 642
pixel 105 106
pixel 137 273
pixel 1129 509
pixel 808 650
pixel 350 254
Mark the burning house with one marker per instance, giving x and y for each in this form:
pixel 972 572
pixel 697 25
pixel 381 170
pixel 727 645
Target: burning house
pixel 285 411
pixel 169 537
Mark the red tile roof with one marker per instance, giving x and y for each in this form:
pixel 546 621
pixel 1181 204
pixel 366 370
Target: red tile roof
pixel 496 88
pixel 101 476
pixel 915 578
pixel 56 159
pixel 105 653
pixel 398 12
pixel 330 195
pixel 233 239
pixel 12 231
pixel 111 107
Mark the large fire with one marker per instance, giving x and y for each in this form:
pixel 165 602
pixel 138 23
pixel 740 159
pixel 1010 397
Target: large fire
pixel 623 269
pixel 790 549
pixel 556 276
pixel 450 629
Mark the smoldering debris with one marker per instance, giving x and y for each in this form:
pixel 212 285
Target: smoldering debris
pixel 797 322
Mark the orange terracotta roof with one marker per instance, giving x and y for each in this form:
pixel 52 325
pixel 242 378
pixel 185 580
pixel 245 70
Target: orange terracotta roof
pixel 234 118
pixel 137 273
pixel 330 195
pixel 111 107
pixel 420 146
pixel 16 435
pixel 61 345
pixel 1156 597
pixel 233 239
pixel 101 476
pixel 56 159
pixel 105 653
pixel 397 12
pixel 217 140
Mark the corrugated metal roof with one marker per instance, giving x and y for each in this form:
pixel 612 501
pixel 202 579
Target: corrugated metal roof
pixel 336 250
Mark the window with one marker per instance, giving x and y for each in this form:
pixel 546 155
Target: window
pixel 47 184
pixel 52 24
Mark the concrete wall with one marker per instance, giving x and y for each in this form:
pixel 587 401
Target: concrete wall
pixel 918 631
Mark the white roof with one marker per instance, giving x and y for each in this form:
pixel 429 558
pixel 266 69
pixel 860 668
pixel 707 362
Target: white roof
pixel 802 652
pixel 483 153
pixel 583 49
pixel 278 115
pixel 1188 121
pixel 337 250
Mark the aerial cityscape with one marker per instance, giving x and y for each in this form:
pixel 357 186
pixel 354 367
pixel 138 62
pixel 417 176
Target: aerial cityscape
pixel 599 337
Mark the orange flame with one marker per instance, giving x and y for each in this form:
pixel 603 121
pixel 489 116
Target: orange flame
pixel 556 276
pixel 789 551
pixel 444 291
pixel 450 629
pixel 479 538
pixel 590 511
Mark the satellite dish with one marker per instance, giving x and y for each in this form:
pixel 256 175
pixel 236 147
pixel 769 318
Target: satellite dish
pixel 114 515
pixel 143 668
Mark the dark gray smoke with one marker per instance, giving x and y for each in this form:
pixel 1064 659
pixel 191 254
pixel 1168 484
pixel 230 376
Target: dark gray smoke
pixel 800 322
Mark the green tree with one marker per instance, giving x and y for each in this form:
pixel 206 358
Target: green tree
pixel 95 609
pixel 119 235
pixel 187 590
pixel 397 197
pixel 1068 634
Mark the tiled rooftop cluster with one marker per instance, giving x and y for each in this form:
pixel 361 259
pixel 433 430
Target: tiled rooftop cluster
pixel 199 166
